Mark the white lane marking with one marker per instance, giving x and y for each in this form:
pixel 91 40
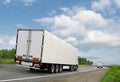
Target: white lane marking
pixel 28 78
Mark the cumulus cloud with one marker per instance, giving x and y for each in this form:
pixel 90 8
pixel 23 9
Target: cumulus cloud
pixel 72 40
pixel 6 1
pixel 7 40
pixel 12 41
pixel 66 25
pixel 117 2
pixel 28 2
pixel 100 5
pixel 90 17
pixel 2 42
pixel 97 37
pixel 102 38
pixel 82 28
pixel 64 9
pixel 108 7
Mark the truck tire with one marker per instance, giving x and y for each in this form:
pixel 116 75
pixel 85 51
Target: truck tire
pixel 75 67
pixel 32 70
pixel 51 68
pixel 56 68
pixel 71 68
pixel 60 68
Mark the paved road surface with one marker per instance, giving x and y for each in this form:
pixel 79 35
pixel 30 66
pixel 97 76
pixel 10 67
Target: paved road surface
pixel 13 73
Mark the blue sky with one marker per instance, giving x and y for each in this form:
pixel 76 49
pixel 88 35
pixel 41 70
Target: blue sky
pixel 90 25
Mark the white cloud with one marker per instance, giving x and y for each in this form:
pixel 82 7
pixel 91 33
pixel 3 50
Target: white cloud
pixel 97 37
pixel 90 17
pixel 2 42
pixel 83 28
pixel 64 9
pixel 45 20
pixel 117 2
pixel 71 11
pixel 28 2
pixel 108 7
pixel 12 41
pixel 100 5
pixel 67 26
pixel 72 40
pixel 105 39
pixel 6 1
pixel 8 40
pixel 74 25
pixel 20 25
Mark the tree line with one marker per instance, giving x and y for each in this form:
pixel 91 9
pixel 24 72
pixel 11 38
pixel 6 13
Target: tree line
pixel 9 54
pixel 84 61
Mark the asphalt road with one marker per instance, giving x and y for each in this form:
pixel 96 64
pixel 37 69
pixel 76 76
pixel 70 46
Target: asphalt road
pixel 13 73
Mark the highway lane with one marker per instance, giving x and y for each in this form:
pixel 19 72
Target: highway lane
pixel 13 73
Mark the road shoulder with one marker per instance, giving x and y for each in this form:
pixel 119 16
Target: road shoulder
pixel 91 76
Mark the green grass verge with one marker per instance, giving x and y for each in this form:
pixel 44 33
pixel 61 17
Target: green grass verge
pixel 6 61
pixel 113 74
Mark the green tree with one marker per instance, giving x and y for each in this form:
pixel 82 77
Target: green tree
pixel 84 61
pixel 7 54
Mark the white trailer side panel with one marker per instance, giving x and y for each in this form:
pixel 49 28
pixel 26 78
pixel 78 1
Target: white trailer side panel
pixel 58 51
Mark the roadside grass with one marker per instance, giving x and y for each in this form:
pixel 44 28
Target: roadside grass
pixel 113 74
pixel 6 61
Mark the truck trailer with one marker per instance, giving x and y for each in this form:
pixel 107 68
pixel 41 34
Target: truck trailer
pixel 40 49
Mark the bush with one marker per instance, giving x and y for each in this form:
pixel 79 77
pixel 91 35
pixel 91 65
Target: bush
pixel 7 56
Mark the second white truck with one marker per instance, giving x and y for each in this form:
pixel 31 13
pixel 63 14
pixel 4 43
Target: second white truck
pixel 39 49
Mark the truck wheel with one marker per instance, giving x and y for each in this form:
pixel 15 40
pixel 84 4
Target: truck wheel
pixel 71 68
pixel 32 70
pixel 75 68
pixel 51 68
pixel 56 68
pixel 60 68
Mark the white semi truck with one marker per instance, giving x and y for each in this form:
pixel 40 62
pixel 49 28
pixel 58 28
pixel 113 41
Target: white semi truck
pixel 100 64
pixel 39 49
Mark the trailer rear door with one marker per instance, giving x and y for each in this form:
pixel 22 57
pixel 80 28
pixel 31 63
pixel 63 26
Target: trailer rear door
pixel 36 44
pixel 29 43
pixel 22 44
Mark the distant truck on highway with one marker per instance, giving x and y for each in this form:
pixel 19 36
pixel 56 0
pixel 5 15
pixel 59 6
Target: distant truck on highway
pixel 100 64
pixel 39 49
